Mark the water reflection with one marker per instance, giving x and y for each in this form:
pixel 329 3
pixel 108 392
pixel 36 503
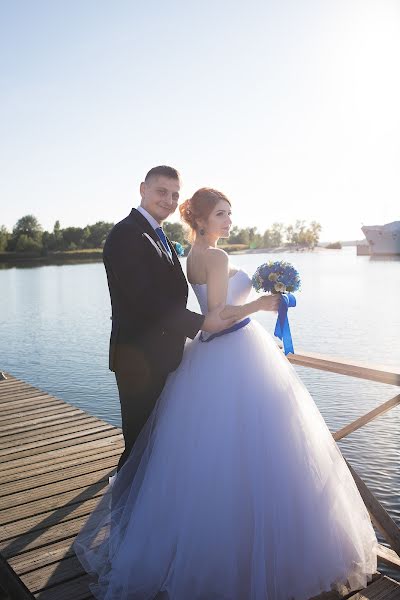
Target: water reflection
pixel 34 264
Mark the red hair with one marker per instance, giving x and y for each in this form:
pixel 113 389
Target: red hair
pixel 199 206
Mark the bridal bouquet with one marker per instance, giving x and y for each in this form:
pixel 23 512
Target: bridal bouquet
pixel 279 277
pixel 276 277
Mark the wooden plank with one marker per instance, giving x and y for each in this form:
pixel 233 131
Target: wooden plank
pixel 389 557
pixel 9 399
pixel 6 378
pixel 380 518
pixel 6 386
pixel 382 589
pixel 31 470
pixel 42 557
pixel 22 440
pixel 9 378
pixel 67 569
pixel 57 487
pixel 373 414
pixel 43 537
pixel 28 404
pixel 63 443
pixel 53 424
pixel 78 468
pixel 48 519
pixel 57 503
pixel 352 368
pixel 28 412
pixel 27 391
pixel 50 459
pixel 75 589
pixel 27 448
pixel 25 424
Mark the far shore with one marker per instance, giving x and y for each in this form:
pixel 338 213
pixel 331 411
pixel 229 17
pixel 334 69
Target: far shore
pixel 280 250
pixel 96 255
pixel 52 258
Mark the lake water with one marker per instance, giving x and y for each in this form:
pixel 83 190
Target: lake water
pixel 55 323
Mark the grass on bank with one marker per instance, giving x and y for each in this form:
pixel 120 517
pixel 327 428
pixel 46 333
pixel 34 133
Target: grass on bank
pixel 84 254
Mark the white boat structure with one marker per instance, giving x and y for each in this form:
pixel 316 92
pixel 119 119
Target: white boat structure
pixel 383 239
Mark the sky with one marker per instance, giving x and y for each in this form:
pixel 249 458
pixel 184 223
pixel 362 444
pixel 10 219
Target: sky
pixel 289 107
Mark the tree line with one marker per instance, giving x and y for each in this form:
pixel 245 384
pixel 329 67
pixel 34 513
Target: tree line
pixel 298 235
pixel 28 236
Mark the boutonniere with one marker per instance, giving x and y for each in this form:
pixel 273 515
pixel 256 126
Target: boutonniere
pixel 179 249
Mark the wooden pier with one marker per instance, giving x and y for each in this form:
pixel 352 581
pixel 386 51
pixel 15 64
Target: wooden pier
pixel 55 462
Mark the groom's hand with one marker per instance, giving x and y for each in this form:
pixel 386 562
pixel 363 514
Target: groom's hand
pixel 214 322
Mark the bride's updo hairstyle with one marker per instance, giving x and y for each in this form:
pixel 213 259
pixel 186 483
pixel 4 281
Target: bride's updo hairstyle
pixel 199 206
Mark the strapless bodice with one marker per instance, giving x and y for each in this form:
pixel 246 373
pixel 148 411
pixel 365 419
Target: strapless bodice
pixel 239 287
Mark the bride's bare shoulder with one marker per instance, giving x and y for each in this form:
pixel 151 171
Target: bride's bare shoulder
pixel 216 258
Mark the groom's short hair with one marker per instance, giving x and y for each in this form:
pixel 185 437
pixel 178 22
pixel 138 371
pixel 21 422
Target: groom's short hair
pixel 162 170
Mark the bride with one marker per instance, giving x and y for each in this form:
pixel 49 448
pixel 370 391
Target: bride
pixel 235 489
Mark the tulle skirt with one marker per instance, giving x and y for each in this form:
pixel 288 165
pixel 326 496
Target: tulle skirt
pixel 235 489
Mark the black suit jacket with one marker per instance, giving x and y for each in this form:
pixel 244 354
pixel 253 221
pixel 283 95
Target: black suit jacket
pixel 149 292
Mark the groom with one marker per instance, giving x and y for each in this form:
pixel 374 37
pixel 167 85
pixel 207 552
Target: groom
pixel 149 292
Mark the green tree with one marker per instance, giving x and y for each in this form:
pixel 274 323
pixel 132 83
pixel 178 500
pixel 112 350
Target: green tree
pixel 4 237
pixel 290 235
pixel 233 235
pixel 302 236
pixel 255 239
pixel 175 232
pixel 276 235
pixel 98 233
pixel 57 237
pixel 315 230
pixel 267 239
pixel 29 226
pixel 239 236
pixel 27 244
pixel 75 237
pixel 47 241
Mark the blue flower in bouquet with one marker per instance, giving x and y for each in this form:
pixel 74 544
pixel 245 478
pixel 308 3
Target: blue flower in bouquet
pixel 276 277
pixel 179 249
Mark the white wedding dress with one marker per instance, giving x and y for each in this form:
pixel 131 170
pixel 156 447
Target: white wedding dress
pixel 235 489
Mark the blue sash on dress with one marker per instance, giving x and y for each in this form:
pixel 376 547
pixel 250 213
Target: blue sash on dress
pixel 234 327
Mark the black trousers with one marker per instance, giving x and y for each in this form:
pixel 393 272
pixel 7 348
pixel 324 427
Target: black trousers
pixel 138 396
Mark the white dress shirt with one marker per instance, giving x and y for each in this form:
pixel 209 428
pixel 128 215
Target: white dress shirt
pixel 148 216
pixel 155 225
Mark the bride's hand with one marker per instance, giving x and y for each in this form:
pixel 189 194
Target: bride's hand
pixel 269 302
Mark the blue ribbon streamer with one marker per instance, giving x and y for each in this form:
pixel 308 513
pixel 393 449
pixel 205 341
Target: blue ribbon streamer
pixel 282 329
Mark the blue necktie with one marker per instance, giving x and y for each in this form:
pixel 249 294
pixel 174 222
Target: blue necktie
pixel 162 237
